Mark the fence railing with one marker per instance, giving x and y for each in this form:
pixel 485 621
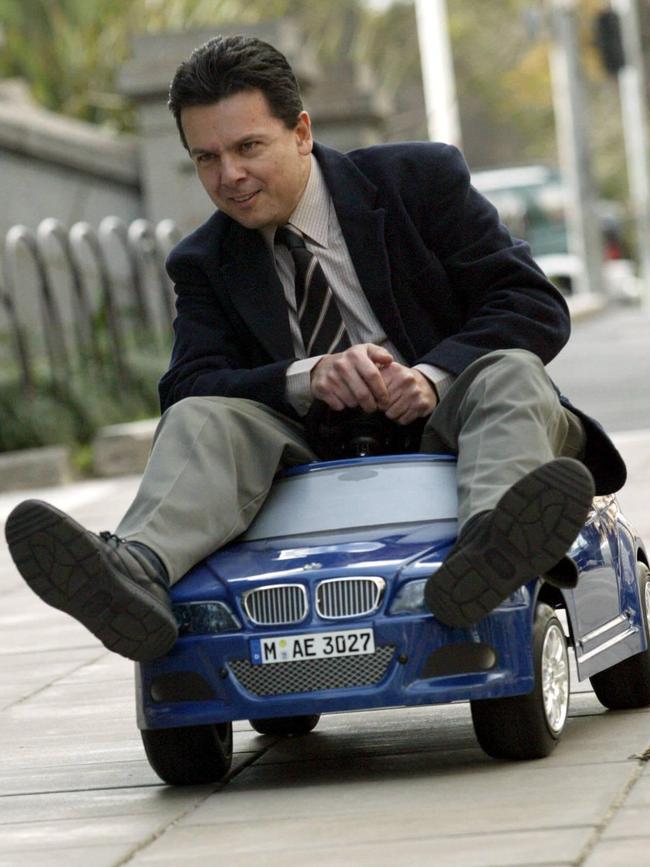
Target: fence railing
pixel 85 318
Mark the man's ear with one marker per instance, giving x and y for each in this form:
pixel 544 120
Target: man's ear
pixel 303 133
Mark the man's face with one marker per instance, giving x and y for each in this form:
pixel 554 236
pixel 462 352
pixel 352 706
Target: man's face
pixel 253 168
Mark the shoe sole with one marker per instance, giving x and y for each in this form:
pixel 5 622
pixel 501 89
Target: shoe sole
pixel 58 560
pixel 532 527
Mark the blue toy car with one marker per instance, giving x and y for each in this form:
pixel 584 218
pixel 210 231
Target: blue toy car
pixel 319 608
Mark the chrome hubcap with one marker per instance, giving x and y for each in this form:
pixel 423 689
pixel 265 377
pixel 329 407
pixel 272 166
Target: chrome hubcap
pixel 647 605
pixel 555 678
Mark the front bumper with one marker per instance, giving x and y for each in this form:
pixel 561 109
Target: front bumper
pixel 418 661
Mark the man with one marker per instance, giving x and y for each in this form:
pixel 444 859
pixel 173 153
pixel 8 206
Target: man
pixel 381 281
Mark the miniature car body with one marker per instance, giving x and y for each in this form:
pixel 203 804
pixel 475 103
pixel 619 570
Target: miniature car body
pixel 318 608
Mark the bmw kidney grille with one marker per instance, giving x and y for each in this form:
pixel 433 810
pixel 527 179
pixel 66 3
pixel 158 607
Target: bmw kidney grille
pixel 276 604
pixel 338 598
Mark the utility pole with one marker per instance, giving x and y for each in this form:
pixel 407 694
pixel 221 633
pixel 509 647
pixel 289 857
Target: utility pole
pixel 583 227
pixel 632 91
pixel 443 121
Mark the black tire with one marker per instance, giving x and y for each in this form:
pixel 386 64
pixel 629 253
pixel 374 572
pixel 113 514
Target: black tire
pixel 286 726
pixel 530 726
pixel 626 685
pixel 190 755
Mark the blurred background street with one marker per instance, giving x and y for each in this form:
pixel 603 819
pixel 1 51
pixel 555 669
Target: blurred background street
pixel 605 369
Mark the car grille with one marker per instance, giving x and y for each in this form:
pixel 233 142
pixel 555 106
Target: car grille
pixel 313 675
pixel 276 604
pixel 348 597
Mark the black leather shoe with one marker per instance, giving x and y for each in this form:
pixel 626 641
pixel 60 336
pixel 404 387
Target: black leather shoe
pixel 111 586
pixel 526 535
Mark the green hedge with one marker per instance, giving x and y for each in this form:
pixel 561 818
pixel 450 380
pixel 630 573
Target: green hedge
pixel 72 412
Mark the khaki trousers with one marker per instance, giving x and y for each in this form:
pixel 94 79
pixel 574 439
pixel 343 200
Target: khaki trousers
pixel 213 458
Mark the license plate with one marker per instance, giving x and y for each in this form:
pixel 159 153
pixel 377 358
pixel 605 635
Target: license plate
pixel 316 645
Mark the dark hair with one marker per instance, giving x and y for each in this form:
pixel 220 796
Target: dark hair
pixel 227 65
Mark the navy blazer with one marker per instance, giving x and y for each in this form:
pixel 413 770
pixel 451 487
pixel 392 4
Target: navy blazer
pixel 445 278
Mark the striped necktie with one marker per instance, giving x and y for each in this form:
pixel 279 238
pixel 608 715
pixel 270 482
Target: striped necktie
pixel 319 317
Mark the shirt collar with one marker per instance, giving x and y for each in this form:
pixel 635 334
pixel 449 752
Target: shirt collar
pixel 312 212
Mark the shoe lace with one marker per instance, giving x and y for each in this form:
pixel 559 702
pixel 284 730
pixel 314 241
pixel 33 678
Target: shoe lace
pixel 144 560
pixel 110 539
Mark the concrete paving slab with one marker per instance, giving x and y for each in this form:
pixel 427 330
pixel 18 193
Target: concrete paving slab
pixel 29 627
pixel 97 856
pixel 630 822
pixel 77 756
pixel 73 753
pixel 639 795
pixel 80 804
pixel 23 674
pixel 293 843
pixel 30 777
pixel 26 837
pixel 105 668
pixel 619 853
pixel 614 736
pixel 445 791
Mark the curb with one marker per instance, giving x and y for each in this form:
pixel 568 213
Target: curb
pixel 123 449
pixel 35 468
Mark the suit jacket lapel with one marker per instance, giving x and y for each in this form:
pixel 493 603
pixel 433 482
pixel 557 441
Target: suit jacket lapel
pixel 256 291
pixel 362 225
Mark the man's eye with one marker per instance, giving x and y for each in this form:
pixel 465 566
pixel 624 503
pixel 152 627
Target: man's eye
pixel 202 159
pixel 249 146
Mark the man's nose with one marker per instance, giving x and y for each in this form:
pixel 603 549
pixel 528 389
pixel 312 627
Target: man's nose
pixel 232 170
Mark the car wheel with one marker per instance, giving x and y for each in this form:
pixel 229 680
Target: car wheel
pixel 286 726
pixel 189 755
pixel 529 726
pixel 627 684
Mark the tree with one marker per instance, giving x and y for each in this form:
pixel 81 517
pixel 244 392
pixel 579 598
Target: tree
pixel 70 50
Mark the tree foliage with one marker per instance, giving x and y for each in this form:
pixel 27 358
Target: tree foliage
pixel 71 50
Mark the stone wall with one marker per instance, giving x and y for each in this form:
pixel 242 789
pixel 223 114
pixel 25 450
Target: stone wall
pixel 54 166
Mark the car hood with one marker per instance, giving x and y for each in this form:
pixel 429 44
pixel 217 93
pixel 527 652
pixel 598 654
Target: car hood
pixel 380 551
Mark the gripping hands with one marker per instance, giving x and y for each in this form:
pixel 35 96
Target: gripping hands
pixel 366 375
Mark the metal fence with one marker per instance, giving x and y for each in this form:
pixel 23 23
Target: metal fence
pixel 84 311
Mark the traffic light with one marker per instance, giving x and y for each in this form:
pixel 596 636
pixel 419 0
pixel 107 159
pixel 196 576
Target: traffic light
pixel 609 42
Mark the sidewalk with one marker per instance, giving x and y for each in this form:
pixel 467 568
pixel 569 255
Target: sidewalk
pixel 388 787
pixel 409 787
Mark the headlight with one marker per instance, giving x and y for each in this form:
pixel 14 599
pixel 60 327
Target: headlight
pixel 410 599
pixel 204 618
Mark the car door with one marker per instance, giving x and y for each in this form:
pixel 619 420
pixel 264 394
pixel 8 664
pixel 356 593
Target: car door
pixel 597 596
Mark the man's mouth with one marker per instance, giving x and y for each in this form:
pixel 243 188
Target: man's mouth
pixel 240 200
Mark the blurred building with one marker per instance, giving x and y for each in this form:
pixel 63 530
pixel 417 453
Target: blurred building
pixel 54 166
pixel 58 167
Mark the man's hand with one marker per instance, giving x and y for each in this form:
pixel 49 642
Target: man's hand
pixel 410 394
pixel 353 378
